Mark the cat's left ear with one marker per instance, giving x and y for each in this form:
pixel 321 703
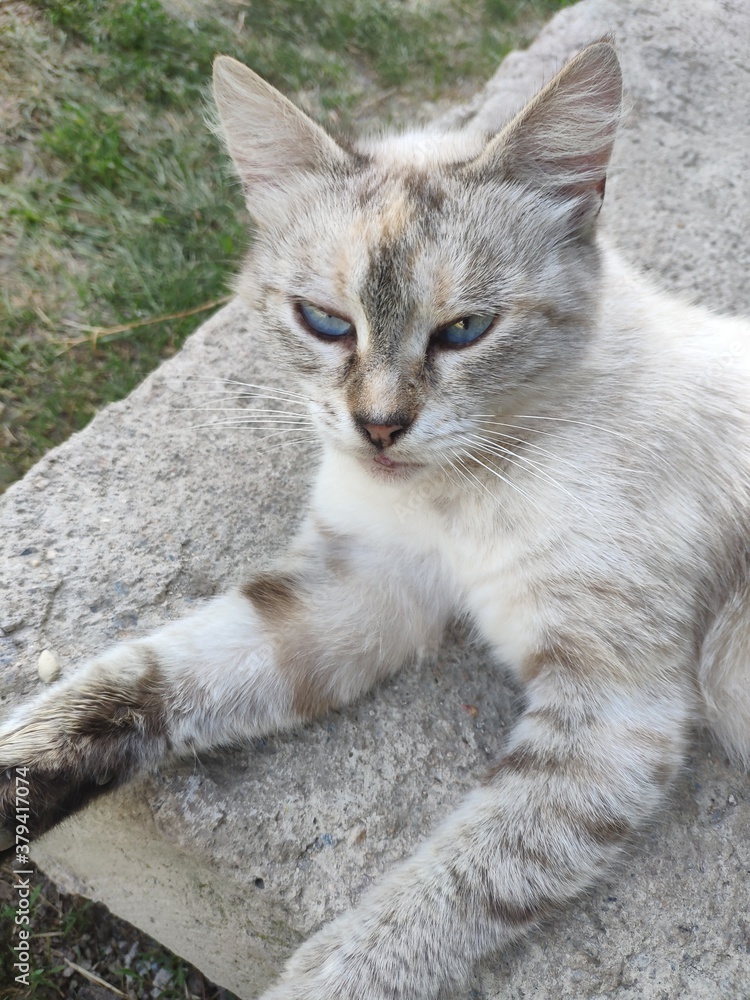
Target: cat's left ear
pixel 561 142
pixel 272 143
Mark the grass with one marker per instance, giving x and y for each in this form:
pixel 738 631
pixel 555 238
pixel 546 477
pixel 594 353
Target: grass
pixel 118 204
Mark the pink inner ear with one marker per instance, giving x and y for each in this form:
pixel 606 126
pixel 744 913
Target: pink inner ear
pixel 586 176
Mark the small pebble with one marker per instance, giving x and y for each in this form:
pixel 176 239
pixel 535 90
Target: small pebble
pixel 48 666
pixel 162 979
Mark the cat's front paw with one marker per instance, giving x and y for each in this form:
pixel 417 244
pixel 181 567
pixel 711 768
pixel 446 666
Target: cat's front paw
pixel 36 794
pixel 335 964
pixel 46 771
pixel 75 741
pixel 33 800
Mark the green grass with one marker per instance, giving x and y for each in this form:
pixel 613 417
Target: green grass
pixel 118 203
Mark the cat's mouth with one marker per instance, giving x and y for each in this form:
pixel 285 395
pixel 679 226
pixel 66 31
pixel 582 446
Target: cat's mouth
pixel 387 467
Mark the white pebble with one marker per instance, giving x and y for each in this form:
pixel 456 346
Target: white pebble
pixel 162 979
pixel 48 666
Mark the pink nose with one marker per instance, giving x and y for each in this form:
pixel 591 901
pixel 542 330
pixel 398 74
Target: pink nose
pixel 382 434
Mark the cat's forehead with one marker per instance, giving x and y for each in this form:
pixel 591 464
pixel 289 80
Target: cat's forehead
pixel 399 204
pixel 397 214
pixel 405 238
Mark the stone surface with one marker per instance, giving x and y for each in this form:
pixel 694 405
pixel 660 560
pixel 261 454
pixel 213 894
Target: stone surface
pixel 232 860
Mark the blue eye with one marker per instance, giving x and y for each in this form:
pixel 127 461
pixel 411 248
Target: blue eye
pixel 464 331
pixel 323 323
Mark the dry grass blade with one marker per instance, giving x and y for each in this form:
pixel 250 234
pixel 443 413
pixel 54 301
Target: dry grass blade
pixel 93 978
pixel 97 333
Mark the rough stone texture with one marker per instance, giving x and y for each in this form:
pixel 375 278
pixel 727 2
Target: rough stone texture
pixel 231 861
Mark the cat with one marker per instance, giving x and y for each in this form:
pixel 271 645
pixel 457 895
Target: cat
pixel 464 336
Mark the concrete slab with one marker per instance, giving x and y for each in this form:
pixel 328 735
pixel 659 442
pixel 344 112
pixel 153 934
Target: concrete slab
pixel 232 861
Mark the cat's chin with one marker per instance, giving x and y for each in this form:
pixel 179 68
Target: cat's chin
pixel 385 468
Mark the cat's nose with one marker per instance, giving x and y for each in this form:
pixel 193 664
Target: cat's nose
pixel 383 435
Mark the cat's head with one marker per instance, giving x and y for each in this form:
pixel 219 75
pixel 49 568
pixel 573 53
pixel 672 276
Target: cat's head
pixel 416 285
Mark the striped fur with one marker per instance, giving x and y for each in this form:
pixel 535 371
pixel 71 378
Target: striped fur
pixel 558 481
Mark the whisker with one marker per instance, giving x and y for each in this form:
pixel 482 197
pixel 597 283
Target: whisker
pixel 248 410
pixel 591 514
pixel 638 473
pixel 536 469
pixel 233 394
pixel 271 438
pixel 513 486
pixel 287 442
pixel 462 484
pixel 239 390
pixel 286 422
pixel 579 423
pixel 251 385
pixel 575 572
pixel 286 430
pixel 525 441
pixel 249 416
pixel 463 456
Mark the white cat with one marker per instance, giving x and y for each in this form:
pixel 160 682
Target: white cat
pixel 446 306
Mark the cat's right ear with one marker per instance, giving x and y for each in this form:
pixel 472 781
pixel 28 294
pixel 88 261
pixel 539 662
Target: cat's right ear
pixel 272 143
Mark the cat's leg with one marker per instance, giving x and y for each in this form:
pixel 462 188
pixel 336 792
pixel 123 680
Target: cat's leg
pixel 585 766
pixel 724 674
pixel 325 625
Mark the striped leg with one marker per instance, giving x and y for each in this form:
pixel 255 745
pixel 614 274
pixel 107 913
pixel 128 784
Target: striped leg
pixel 580 774
pixel 324 627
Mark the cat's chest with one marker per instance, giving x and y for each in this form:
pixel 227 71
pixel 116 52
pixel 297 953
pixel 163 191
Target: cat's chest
pixel 499 585
pixel 487 564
